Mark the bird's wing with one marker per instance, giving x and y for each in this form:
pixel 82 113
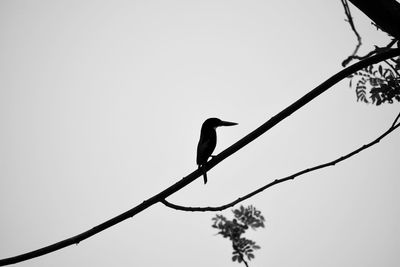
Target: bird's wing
pixel 204 150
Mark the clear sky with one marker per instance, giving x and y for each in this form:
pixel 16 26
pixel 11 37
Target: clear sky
pixel 101 104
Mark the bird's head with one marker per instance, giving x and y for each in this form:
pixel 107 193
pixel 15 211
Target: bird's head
pixel 215 122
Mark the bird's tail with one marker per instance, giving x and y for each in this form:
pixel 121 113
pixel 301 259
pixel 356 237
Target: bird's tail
pixel 204 173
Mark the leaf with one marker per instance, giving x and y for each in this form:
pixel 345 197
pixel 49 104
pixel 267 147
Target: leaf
pixel 370 69
pixel 388 73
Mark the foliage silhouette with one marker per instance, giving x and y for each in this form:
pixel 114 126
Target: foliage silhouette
pixel 244 219
pixel 378 84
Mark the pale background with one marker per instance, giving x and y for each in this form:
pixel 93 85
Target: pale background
pixel 101 104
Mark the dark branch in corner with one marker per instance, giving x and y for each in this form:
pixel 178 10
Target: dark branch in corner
pixel 353 27
pixel 384 13
pixel 213 162
pixel 393 127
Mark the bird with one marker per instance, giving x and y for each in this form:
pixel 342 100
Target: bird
pixel 208 141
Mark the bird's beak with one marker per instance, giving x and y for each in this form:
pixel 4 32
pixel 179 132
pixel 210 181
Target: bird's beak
pixel 227 123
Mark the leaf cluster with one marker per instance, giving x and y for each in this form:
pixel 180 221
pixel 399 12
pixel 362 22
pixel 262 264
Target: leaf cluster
pixel 378 84
pixel 244 219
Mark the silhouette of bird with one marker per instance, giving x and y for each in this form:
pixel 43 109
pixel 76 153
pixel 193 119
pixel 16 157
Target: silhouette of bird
pixel 208 141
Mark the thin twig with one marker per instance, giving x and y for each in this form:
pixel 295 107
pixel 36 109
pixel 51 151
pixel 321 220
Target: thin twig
pixel 395 120
pixel 353 27
pixel 291 177
pixel 240 255
pixel 377 50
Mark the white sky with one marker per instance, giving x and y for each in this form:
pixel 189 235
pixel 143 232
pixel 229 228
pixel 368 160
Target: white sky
pixel 101 104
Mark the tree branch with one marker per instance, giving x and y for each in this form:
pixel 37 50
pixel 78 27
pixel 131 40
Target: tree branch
pixel 214 161
pixel 393 127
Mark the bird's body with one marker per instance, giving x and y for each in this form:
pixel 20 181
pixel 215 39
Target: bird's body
pixel 208 141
